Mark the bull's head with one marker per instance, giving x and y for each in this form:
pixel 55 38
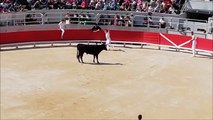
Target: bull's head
pixel 104 46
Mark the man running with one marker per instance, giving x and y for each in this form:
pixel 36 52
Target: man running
pixel 61 26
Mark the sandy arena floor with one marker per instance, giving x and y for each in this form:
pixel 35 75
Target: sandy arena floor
pixel 49 83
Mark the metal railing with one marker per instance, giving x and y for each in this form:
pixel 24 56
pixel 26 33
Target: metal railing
pixel 14 19
pixel 124 19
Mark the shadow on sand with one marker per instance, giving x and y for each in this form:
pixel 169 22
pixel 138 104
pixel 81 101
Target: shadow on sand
pixel 103 63
pixel 204 56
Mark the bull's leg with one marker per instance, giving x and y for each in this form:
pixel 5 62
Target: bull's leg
pixel 79 59
pixel 82 57
pixel 93 58
pixel 97 59
pixel 78 56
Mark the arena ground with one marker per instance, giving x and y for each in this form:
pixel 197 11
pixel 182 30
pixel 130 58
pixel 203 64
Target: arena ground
pixel 49 83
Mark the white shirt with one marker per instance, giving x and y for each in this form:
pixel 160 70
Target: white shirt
pixel 150 9
pixel 193 41
pixel 62 25
pixel 161 21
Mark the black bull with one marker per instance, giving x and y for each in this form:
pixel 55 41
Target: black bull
pixel 89 49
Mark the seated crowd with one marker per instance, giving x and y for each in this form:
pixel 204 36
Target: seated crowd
pixel 161 6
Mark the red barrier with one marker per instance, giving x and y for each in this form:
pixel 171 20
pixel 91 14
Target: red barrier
pixel 204 44
pixel 85 34
pixel 128 36
pixel 50 35
pixel 151 37
pixel 176 39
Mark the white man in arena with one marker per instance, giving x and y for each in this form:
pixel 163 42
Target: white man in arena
pixel 61 26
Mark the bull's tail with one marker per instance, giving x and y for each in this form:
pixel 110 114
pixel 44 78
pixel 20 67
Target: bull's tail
pixel 77 55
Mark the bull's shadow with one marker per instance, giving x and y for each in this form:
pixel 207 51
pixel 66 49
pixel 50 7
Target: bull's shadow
pixel 104 63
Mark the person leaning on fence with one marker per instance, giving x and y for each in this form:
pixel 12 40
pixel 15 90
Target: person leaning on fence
pixel 194 42
pixel 96 28
pixel 61 26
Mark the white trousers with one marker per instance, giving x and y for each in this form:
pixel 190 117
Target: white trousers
pixel 193 47
pixel 62 33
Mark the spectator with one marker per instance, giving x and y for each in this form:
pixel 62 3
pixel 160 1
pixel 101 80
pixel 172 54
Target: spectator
pixel 92 4
pixel 56 4
pixel 98 5
pixel 43 4
pixel 157 8
pixel 24 4
pixel 74 4
pixel 150 9
pixel 98 17
pixel 106 6
pixel 74 18
pixel 104 20
pixel 145 21
pixel 40 4
pixel 162 23
pixel 121 20
pixel 36 5
pixel 133 5
pixel 67 18
pixel 81 18
pixel 68 4
pixel 30 19
pixel 4 6
pixel 115 20
pixel 171 10
pixel 62 4
pixel 50 4
pixel 112 5
pixel 87 17
pixel 83 4
pixel 150 18
pixel 145 6
pixel 127 21
pixel 162 6
pixel 84 18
